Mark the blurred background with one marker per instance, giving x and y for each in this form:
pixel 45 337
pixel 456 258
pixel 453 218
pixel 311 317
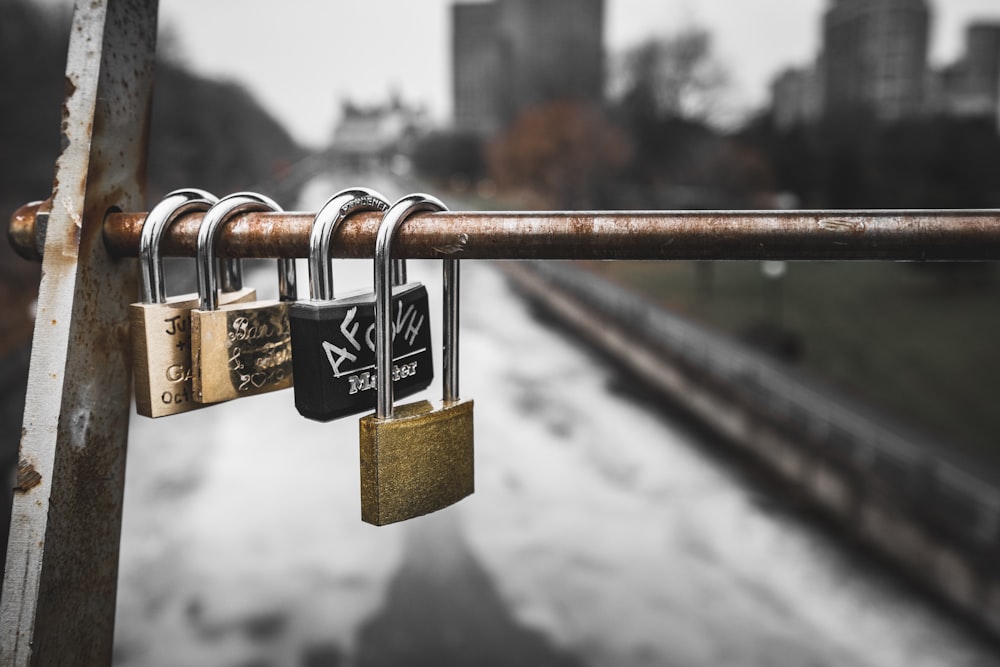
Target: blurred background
pixel 612 524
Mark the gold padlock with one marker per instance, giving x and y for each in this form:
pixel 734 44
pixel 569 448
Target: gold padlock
pixel 160 325
pixel 242 349
pixel 417 458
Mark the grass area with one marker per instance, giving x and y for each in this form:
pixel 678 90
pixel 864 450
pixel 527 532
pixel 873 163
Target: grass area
pixel 920 342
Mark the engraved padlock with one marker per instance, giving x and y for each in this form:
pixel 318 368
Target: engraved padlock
pixel 241 349
pixel 333 339
pixel 160 325
pixel 415 458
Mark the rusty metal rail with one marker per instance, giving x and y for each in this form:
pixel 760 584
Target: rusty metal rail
pixel 707 235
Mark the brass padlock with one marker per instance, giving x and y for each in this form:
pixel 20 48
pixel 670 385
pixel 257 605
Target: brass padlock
pixel 160 325
pixel 242 349
pixel 417 458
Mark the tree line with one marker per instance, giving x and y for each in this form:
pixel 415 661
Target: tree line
pixel 203 133
pixel 653 144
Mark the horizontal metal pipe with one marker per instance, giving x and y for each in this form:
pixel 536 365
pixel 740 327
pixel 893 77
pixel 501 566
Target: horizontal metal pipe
pixel 708 235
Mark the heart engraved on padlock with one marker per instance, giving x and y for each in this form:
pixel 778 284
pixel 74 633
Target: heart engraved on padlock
pixel 243 349
pixel 416 458
pixel 333 340
pixel 160 325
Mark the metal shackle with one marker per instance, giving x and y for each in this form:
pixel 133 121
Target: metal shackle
pixel 391 222
pixel 215 218
pixel 328 219
pixel 174 205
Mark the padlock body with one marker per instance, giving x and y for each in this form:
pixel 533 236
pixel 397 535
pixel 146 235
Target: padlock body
pixel 161 352
pixel 418 461
pixel 240 350
pixel 333 351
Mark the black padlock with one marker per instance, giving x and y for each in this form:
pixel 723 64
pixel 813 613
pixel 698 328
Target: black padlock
pixel 333 340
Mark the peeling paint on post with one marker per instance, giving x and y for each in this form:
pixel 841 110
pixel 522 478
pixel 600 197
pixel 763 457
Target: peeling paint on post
pixel 61 574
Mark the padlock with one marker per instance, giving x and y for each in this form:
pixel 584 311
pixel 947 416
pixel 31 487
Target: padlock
pixel 333 340
pixel 416 458
pixel 241 349
pixel 160 325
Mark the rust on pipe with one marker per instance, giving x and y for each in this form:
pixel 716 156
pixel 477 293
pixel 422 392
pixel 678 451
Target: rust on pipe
pixel 27 229
pixel 708 235
pixel 910 235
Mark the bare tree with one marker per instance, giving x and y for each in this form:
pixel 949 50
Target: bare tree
pixel 674 76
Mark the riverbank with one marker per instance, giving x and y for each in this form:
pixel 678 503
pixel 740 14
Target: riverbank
pixel 935 520
pixel 916 341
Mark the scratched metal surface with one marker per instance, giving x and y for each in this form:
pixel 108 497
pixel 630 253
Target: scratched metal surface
pixel 62 562
pixel 779 235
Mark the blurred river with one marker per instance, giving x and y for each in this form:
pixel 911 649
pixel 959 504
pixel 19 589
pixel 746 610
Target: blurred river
pixel 600 533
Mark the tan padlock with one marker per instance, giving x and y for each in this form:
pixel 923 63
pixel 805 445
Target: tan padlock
pixel 242 349
pixel 417 458
pixel 160 325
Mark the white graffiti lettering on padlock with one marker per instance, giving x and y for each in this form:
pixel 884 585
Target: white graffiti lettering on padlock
pixel 409 322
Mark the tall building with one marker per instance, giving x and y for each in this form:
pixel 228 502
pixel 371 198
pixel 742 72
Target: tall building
pixel 475 67
pixel 797 96
pixel 510 55
pixel 974 88
pixel 875 55
pixel 550 50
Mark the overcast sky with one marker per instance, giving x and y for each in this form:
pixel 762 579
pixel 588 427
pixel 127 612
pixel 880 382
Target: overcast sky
pixel 301 57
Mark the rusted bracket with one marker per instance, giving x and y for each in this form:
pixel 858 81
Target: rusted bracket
pixel 59 588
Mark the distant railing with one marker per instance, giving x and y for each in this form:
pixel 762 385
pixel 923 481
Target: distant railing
pixel 964 503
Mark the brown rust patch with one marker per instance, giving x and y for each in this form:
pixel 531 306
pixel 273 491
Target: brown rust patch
pixel 22 231
pixel 27 477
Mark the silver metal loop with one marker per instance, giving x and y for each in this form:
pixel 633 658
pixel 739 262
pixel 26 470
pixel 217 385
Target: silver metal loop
pixel 450 318
pixel 328 219
pixel 215 218
pixel 174 205
pixel 391 222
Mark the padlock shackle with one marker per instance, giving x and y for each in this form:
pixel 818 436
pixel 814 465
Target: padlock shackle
pixel 393 219
pixel 174 205
pixel 326 223
pixel 208 234
pixel 449 358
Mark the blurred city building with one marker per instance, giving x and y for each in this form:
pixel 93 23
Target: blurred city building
pixel 476 68
pixel 874 58
pixel 797 94
pixel 510 55
pixel 376 136
pixel 971 86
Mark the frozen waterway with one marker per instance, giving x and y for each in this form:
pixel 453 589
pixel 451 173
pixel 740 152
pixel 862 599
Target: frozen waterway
pixel 600 534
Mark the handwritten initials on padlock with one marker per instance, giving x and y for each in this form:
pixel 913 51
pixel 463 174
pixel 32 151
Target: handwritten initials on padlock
pixel 239 350
pixel 160 326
